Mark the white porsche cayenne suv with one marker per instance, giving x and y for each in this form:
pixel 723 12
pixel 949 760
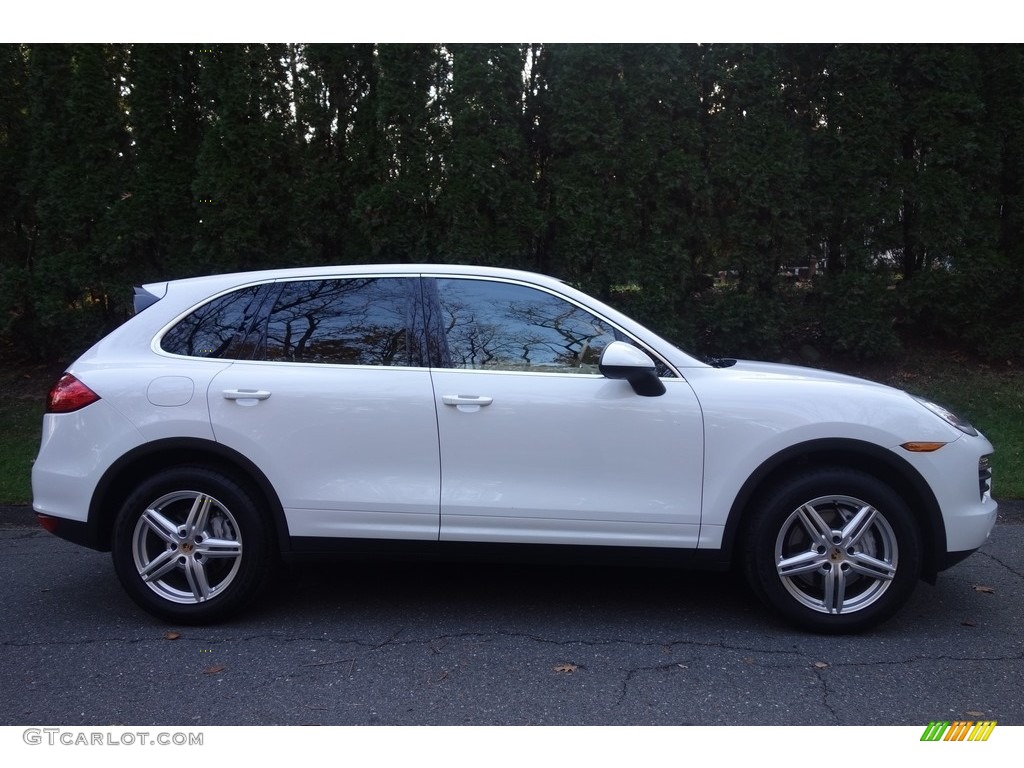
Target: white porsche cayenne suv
pixel 237 420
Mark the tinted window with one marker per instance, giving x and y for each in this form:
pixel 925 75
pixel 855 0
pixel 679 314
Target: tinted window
pixel 352 322
pixel 501 326
pixel 218 328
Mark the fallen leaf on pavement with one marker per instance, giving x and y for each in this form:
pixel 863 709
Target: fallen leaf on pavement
pixel 171 635
pixel 214 669
pixel 565 668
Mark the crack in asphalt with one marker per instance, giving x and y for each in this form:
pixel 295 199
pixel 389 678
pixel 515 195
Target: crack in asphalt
pixel 825 693
pixel 439 644
pixel 442 643
pixel 629 684
pixel 630 674
pixel 1009 568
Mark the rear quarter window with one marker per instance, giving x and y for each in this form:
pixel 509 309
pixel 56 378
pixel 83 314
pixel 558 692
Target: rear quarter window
pixel 219 328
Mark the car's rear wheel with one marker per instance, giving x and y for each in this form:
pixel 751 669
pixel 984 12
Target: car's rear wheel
pixel 834 550
pixel 191 545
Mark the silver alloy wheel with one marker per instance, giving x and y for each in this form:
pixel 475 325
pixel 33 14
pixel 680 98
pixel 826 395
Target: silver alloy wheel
pixel 836 554
pixel 187 547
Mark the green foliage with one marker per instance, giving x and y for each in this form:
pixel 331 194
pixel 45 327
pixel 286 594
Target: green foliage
pixel 158 220
pixel 855 315
pixel 488 200
pixel 397 210
pixel 623 174
pixel 854 126
pixel 335 94
pixel 737 323
pixel 639 172
pixel 974 307
pixel 247 163
pixel 18 445
pixel 17 221
pixel 758 169
pixel 77 167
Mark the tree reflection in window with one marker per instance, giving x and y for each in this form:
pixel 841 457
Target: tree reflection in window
pixel 349 322
pixel 218 328
pixel 502 326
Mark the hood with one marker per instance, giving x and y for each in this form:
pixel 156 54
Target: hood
pixel 781 371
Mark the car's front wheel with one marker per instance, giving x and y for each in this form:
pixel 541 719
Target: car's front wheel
pixel 834 550
pixel 190 545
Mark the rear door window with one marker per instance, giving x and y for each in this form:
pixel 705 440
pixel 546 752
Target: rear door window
pixel 351 321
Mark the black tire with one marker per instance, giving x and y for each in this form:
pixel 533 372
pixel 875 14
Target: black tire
pixel 833 550
pixel 202 538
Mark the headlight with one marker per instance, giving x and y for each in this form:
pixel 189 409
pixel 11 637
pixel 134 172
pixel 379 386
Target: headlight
pixel 948 416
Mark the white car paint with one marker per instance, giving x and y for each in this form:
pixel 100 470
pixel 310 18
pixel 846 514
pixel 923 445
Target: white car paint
pixel 351 450
pixel 452 455
pixel 572 459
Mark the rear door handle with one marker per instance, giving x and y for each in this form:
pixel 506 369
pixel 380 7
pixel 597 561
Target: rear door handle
pixel 246 394
pixel 466 400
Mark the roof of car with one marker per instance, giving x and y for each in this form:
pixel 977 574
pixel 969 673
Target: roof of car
pixel 363 269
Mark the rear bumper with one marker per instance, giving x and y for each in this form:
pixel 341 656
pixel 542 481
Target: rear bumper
pixel 75 531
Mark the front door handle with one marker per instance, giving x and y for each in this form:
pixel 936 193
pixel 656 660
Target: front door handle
pixel 466 400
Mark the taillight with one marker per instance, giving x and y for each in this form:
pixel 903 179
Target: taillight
pixel 69 394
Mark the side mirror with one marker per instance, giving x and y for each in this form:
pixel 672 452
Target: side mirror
pixel 624 361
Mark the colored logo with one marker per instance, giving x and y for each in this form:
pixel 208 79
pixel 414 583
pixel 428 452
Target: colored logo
pixel 961 730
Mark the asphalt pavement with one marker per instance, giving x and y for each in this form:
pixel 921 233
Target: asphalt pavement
pixel 447 644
